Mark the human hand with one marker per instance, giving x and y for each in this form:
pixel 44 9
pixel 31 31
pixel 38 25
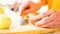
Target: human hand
pixel 30 7
pixel 49 19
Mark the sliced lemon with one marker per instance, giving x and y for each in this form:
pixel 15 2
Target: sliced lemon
pixel 4 22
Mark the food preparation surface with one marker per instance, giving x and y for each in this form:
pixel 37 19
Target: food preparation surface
pixel 27 29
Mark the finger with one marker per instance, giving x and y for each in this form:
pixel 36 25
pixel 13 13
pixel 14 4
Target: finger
pixel 41 15
pixel 52 24
pixel 48 25
pixel 45 20
pixel 26 6
pixel 32 7
pixel 30 10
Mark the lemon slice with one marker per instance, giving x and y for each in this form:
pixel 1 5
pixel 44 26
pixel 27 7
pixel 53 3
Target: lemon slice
pixel 1 10
pixel 4 22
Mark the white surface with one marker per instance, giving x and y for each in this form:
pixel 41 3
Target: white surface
pixel 4 2
pixel 36 1
pixel 43 9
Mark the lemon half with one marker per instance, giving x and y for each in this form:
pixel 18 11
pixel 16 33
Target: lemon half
pixel 4 22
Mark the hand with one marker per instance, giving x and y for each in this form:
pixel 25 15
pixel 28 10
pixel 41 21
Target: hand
pixel 49 19
pixel 30 7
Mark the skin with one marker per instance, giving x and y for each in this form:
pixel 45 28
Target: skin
pixel 52 21
pixel 48 19
pixel 30 7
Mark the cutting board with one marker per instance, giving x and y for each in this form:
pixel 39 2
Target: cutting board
pixel 28 29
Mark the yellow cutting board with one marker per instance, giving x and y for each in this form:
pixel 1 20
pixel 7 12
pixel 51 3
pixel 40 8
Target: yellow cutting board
pixel 28 29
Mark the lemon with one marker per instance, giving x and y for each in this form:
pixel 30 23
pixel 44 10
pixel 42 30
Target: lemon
pixel 4 22
pixel 1 10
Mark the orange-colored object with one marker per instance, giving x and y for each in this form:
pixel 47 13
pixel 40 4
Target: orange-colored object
pixel 25 16
pixel 56 5
pixel 52 4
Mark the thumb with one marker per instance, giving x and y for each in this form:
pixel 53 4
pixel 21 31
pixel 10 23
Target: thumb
pixel 26 6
